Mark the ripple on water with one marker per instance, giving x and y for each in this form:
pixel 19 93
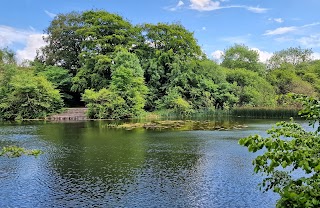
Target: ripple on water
pixel 108 168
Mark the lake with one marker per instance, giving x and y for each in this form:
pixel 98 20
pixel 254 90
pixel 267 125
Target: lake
pixel 87 164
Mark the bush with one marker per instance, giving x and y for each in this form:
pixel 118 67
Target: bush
pixel 173 100
pixel 25 96
pixel 105 104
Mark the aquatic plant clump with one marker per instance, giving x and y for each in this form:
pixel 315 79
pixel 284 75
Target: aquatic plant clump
pixel 178 125
pixel 15 151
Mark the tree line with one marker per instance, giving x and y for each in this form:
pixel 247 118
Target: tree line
pixel 120 70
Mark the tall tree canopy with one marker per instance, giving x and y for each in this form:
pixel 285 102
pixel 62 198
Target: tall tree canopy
pixel 252 89
pixel 83 50
pixel 164 37
pixel 83 43
pixel 240 56
pixel 294 56
pixel 63 42
pixel 103 33
pixel 125 98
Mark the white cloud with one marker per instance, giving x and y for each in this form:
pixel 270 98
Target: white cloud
pixel 51 15
pixel 204 5
pixel 311 25
pixel 179 5
pixel 30 39
pixel 204 28
pixel 316 56
pixel 10 35
pixel 210 5
pixel 33 43
pixel 217 55
pixel 281 30
pixel 278 20
pixel 256 9
pixel 311 41
pixel 284 30
pixel 263 55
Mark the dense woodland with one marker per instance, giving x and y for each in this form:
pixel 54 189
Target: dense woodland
pixel 119 70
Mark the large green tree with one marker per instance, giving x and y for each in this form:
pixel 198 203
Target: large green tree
pixel 60 78
pixel 163 49
pixel 240 56
pixel 292 55
pixel 252 89
pixel 175 37
pixel 103 34
pixel 125 97
pixel 84 43
pixel 64 44
pixel 285 80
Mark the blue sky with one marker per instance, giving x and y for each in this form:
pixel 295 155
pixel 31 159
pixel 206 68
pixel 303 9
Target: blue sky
pixel 264 25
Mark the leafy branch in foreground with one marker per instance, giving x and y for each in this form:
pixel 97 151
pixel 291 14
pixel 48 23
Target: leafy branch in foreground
pixel 14 151
pixel 291 160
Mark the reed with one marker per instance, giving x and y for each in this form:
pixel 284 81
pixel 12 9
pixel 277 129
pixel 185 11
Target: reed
pixel 170 114
pixel 255 112
pixel 245 112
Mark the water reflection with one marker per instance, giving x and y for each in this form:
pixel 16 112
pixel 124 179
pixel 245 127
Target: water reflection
pixel 87 164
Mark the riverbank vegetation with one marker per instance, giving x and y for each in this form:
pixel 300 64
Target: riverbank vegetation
pixel 120 70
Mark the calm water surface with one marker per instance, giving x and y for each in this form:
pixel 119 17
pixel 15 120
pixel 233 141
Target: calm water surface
pixel 86 164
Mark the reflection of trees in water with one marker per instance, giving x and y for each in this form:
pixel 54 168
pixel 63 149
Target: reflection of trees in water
pixel 93 161
pixel 170 166
pixel 88 164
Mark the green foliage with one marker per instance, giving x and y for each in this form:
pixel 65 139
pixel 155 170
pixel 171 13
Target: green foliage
pixel 164 37
pixel 63 42
pixel 104 104
pixel 173 100
pixel 128 82
pixel 84 43
pixel 26 96
pixel 85 47
pixel 240 56
pixel 59 77
pixel 290 149
pixel 310 73
pixel 285 80
pixel 294 56
pixel 265 112
pixel 252 89
pixel 14 151
pixel 104 33
pixel 125 98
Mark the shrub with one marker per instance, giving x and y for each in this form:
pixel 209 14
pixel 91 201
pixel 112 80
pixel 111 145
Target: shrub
pixel 26 96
